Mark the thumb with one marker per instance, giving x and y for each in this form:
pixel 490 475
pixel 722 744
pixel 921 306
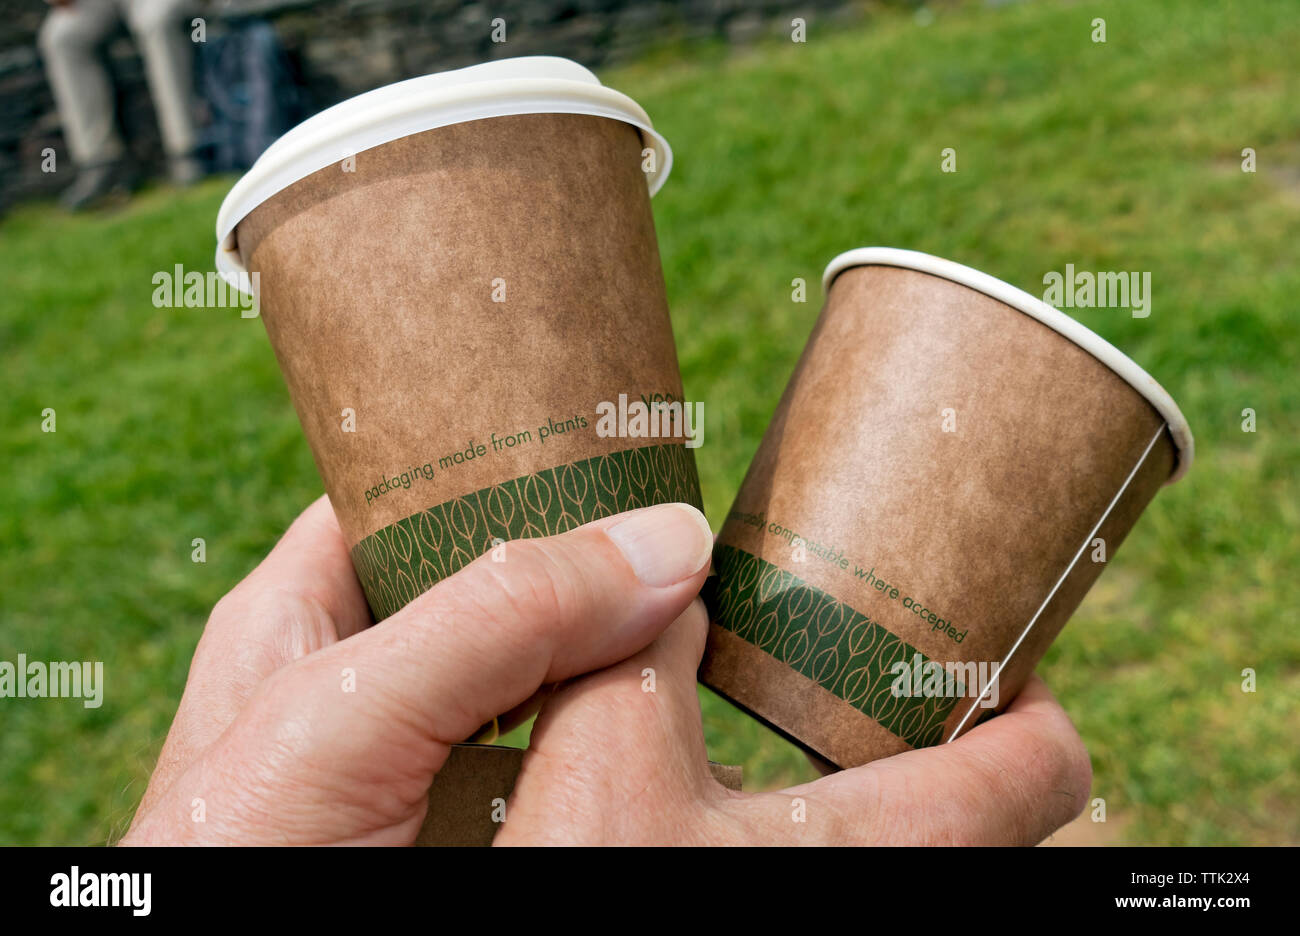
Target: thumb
pixel 355 756
pixel 1014 779
pixel 619 755
pixel 484 640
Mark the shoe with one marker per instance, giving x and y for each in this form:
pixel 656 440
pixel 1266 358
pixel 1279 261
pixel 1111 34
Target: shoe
pixel 94 184
pixel 184 170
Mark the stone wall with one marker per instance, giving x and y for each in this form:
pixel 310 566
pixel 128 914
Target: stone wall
pixel 342 47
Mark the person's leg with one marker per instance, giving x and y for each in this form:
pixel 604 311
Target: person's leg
pixel 162 30
pixel 69 40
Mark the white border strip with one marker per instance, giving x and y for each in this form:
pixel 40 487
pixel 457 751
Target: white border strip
pixel 1032 306
pixel 1059 582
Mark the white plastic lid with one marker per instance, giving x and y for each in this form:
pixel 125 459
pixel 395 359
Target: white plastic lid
pixel 1053 318
pixel 537 84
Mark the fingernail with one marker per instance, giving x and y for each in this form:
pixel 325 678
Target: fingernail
pixel 663 544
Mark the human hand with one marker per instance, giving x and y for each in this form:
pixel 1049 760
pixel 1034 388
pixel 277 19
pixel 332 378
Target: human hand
pixel 268 747
pixel 610 763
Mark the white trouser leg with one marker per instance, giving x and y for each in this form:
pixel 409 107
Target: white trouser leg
pixel 162 31
pixel 69 41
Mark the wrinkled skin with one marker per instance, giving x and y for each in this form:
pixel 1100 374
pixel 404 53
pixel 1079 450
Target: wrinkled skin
pixel 268 746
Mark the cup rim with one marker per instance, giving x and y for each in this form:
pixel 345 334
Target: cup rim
pixel 534 84
pixel 1053 318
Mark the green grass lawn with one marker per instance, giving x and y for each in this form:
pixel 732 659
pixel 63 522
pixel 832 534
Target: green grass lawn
pixel 174 424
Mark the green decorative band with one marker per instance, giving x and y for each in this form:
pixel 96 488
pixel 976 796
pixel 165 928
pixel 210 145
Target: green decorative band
pixel 409 557
pixel 827 641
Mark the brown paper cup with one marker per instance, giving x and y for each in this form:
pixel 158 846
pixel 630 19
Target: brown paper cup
pixel 948 471
pixel 456 304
